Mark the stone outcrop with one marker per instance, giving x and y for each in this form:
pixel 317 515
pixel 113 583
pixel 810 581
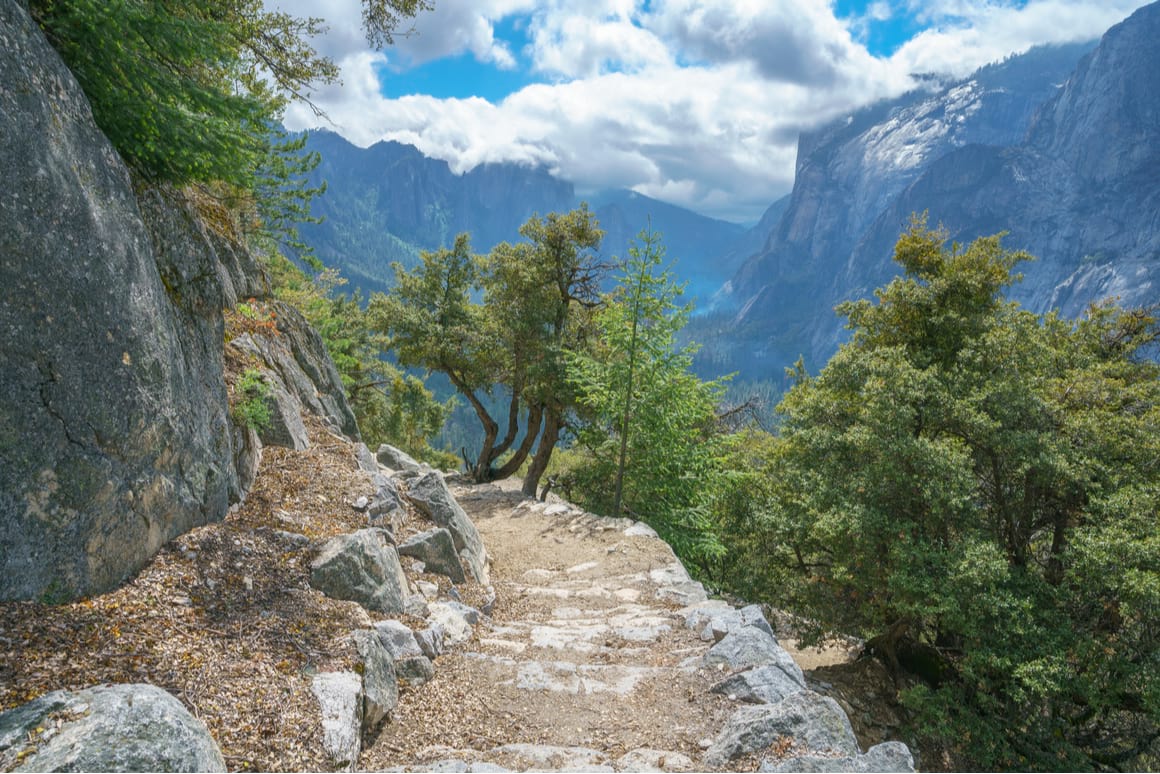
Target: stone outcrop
pixel 430 495
pixel 750 646
pixel 115 430
pixel 295 361
pixel 362 567
pixel 436 549
pixel 759 685
pixel 812 721
pixel 106 728
pixel 340 699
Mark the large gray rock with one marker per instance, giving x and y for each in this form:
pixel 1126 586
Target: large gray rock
pixel 456 628
pixel 888 756
pixel 366 458
pixel 713 622
pixel 430 495
pixel 362 567
pixel 114 425
pixel 411 663
pixel 415 671
pixel 396 459
pixel 380 681
pixel 386 498
pixel 750 646
pixel 398 639
pixel 814 722
pixel 760 685
pixel 106 728
pixel 436 549
pixel 340 700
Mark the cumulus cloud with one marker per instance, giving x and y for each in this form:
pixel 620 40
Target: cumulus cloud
pixel 460 27
pixel 791 41
pixel 696 102
pixel 577 42
pixel 966 35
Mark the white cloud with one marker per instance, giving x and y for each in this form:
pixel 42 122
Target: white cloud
pixel 792 41
pixel 459 27
pixel 968 35
pixel 585 38
pixel 697 102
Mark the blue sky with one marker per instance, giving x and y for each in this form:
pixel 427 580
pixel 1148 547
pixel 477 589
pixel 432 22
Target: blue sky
pixel 695 102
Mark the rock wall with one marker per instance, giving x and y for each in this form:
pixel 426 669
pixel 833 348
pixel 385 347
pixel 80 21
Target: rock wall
pixel 115 430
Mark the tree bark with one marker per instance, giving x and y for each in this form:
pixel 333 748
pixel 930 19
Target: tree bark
pixel 548 438
pixel 535 414
pixel 480 470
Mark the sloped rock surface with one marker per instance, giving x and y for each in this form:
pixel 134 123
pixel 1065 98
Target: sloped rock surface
pixel 813 721
pixel 114 428
pixel 106 728
pixel 888 756
pixel 303 376
pixel 436 549
pixel 362 567
pixel 430 495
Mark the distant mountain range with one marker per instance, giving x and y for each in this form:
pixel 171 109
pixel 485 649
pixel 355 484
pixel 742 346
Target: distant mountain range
pixel 1059 146
pixel 388 202
pixel 1063 156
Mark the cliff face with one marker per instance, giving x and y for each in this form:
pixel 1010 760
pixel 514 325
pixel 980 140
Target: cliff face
pixel 1082 193
pixel 853 179
pixel 115 430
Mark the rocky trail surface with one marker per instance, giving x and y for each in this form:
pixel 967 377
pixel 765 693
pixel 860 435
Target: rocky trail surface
pixel 601 654
pixel 585 661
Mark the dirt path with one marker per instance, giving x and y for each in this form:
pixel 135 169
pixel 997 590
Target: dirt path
pixel 585 664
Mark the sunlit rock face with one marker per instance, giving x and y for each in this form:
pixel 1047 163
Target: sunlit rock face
pixel 1058 147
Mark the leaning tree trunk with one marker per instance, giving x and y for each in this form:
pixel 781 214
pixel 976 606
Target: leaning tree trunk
pixel 548 438
pixel 510 467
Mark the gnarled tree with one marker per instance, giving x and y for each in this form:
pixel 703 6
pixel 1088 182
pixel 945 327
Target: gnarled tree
pixel 503 321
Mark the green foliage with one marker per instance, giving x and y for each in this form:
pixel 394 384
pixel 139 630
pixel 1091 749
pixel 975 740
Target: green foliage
pixel 973 488
pixel 155 74
pixel 391 406
pixel 189 91
pixel 251 400
pixel 650 423
pixel 501 320
pixel 381 18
